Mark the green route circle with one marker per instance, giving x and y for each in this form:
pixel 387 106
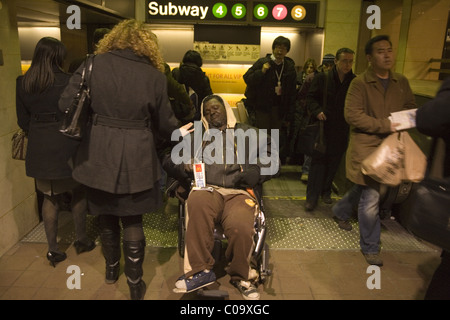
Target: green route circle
pixel 260 11
pixel 219 10
pixel 238 11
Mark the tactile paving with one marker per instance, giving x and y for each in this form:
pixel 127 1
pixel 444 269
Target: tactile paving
pixel 324 234
pixel 161 230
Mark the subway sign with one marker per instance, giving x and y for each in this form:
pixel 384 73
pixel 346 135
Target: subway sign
pixel 302 13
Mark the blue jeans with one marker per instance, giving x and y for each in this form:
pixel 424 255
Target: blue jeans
pixel 368 201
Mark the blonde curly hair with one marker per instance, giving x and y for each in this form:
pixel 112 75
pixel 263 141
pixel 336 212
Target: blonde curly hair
pixel 134 35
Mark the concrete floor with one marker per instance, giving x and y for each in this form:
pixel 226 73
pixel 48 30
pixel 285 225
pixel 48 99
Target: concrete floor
pixel 301 270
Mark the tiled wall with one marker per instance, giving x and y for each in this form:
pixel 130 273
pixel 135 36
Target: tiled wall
pixel 425 34
pixel 18 205
pixel 426 38
pixel 341 25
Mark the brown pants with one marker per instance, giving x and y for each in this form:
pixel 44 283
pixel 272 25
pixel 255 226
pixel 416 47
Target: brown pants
pixel 236 214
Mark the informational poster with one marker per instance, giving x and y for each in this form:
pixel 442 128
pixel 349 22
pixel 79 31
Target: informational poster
pixel 228 52
pixel 227 79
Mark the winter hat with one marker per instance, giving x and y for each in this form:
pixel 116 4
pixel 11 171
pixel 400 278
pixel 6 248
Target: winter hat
pixel 328 59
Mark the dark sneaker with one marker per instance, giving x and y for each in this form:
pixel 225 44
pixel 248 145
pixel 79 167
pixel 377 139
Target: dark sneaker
pixel 309 206
pixel 343 224
pixel 81 247
pixel 247 289
pixel 197 281
pixel 327 199
pixel 373 259
pixel 304 177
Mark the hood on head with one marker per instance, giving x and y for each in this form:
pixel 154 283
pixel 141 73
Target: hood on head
pixel 231 118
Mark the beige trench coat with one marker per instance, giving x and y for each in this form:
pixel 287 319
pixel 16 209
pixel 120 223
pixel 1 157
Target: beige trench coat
pixel 367 108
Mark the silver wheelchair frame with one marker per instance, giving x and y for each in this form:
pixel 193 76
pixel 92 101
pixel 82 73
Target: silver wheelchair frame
pixel 260 256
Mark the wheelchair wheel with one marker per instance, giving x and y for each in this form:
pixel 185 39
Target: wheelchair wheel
pixel 181 229
pixel 264 270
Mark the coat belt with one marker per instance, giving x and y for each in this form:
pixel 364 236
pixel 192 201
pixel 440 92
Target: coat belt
pixel 45 117
pixel 98 119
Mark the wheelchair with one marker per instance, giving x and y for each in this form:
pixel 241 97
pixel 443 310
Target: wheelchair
pixel 260 255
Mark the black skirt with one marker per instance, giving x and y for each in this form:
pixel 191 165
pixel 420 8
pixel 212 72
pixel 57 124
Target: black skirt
pixel 102 202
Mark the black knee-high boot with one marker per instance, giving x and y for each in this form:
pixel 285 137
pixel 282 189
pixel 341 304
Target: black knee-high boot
pixel 134 252
pixel 111 252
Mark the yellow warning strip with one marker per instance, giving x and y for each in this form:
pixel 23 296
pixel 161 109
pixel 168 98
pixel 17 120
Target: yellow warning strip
pixel 285 197
pixel 290 197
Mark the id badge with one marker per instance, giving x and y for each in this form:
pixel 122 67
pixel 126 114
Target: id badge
pixel 278 89
pixel 199 175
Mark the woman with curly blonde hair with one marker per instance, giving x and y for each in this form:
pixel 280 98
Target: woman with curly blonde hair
pixel 134 35
pixel 117 159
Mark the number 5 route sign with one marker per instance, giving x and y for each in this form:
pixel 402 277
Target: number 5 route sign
pixel 247 12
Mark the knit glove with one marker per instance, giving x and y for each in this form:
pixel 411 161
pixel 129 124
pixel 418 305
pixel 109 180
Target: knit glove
pixel 248 178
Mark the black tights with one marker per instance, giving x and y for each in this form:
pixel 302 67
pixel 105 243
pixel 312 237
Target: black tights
pixel 50 211
pixel 132 226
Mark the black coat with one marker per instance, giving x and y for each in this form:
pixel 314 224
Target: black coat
pixel 433 119
pixel 336 129
pixel 193 76
pixel 48 151
pixel 260 91
pixel 114 159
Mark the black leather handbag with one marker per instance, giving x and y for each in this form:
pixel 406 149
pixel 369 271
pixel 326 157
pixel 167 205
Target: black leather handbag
pixel 76 115
pixel 312 139
pixel 428 216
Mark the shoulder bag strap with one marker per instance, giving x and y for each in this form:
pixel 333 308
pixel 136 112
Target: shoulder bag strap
pixel 88 70
pixel 324 105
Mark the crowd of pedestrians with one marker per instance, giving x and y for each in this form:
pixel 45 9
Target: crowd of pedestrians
pixel 116 172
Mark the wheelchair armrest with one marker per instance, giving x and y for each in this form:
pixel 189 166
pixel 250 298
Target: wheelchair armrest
pixel 176 190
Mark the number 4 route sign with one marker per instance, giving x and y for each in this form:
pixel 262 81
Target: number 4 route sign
pixel 240 12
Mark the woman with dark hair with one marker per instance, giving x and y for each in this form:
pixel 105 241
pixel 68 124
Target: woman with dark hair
pixel 192 76
pixel 49 152
pixel 117 160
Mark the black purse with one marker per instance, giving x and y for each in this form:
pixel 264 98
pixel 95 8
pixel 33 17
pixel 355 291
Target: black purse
pixel 307 139
pixel 312 138
pixel 428 214
pixel 320 145
pixel 76 115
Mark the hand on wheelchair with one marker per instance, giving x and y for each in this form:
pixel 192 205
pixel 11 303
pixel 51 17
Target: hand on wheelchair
pixel 248 178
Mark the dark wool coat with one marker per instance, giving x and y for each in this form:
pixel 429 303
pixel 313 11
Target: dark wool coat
pixel 260 91
pixel 193 76
pixel 367 108
pixel 433 119
pixel 48 150
pixel 336 129
pixel 114 159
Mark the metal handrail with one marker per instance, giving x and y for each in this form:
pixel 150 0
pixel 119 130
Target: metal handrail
pixel 439 60
pixel 439 70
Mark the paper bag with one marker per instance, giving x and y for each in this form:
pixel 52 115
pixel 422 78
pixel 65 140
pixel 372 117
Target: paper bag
pixel 385 164
pixel 415 163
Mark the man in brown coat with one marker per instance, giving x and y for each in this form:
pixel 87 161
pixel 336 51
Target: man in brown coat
pixel 371 99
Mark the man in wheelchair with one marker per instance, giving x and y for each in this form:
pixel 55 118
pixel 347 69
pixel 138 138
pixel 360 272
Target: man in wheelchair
pixel 226 167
